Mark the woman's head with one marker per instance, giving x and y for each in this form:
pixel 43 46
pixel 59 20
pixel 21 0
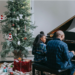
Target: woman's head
pixel 39 38
pixel 42 33
pixel 43 38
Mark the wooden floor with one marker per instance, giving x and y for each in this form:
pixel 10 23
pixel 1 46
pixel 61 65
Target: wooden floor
pixel 0 64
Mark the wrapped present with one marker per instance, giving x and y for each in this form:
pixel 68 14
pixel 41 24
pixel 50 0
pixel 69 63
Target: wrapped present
pixel 23 66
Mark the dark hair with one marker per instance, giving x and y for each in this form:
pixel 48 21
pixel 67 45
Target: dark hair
pixel 41 32
pixel 37 40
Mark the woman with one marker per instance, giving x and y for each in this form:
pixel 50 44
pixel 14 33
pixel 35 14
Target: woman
pixel 42 32
pixel 39 49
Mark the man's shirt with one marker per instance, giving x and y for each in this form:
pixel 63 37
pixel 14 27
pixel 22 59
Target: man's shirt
pixel 58 55
pixel 39 53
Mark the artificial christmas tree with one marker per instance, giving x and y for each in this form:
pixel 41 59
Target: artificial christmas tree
pixel 17 27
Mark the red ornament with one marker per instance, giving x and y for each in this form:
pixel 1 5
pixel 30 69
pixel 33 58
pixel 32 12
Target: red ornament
pixel 10 37
pixel 1 18
pixel 13 24
pixel 1 15
pixel 11 73
pixel 19 59
pixel 25 38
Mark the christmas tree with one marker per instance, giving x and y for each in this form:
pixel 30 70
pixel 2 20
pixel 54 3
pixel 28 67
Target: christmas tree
pixel 17 28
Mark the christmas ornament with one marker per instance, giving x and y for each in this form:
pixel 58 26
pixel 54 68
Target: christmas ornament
pixel 18 42
pixel 20 16
pixel 19 59
pixel 13 24
pixel 25 27
pixel 15 34
pixel 1 17
pixel 18 28
pixel 10 37
pixel 25 38
pixel 17 19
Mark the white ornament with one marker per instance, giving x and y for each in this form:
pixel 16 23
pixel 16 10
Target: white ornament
pixel 20 16
pixel 17 19
pixel 18 28
pixel 18 42
pixel 15 34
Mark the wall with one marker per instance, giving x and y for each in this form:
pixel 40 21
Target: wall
pixel 2 7
pixel 2 10
pixel 50 14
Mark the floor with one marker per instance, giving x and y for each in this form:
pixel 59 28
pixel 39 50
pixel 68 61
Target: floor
pixel 39 72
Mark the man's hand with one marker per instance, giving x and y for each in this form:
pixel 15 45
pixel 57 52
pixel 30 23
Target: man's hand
pixel 73 52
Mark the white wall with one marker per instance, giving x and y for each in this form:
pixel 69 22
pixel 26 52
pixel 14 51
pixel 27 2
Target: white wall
pixel 2 7
pixel 50 14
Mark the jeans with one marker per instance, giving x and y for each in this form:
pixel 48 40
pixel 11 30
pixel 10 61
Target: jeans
pixel 71 68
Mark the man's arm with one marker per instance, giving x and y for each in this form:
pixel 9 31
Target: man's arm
pixel 67 55
pixel 70 53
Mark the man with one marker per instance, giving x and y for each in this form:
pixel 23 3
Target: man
pixel 58 55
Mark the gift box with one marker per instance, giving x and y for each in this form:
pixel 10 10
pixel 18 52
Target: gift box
pixel 23 66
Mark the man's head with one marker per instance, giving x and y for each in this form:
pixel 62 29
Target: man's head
pixel 60 34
